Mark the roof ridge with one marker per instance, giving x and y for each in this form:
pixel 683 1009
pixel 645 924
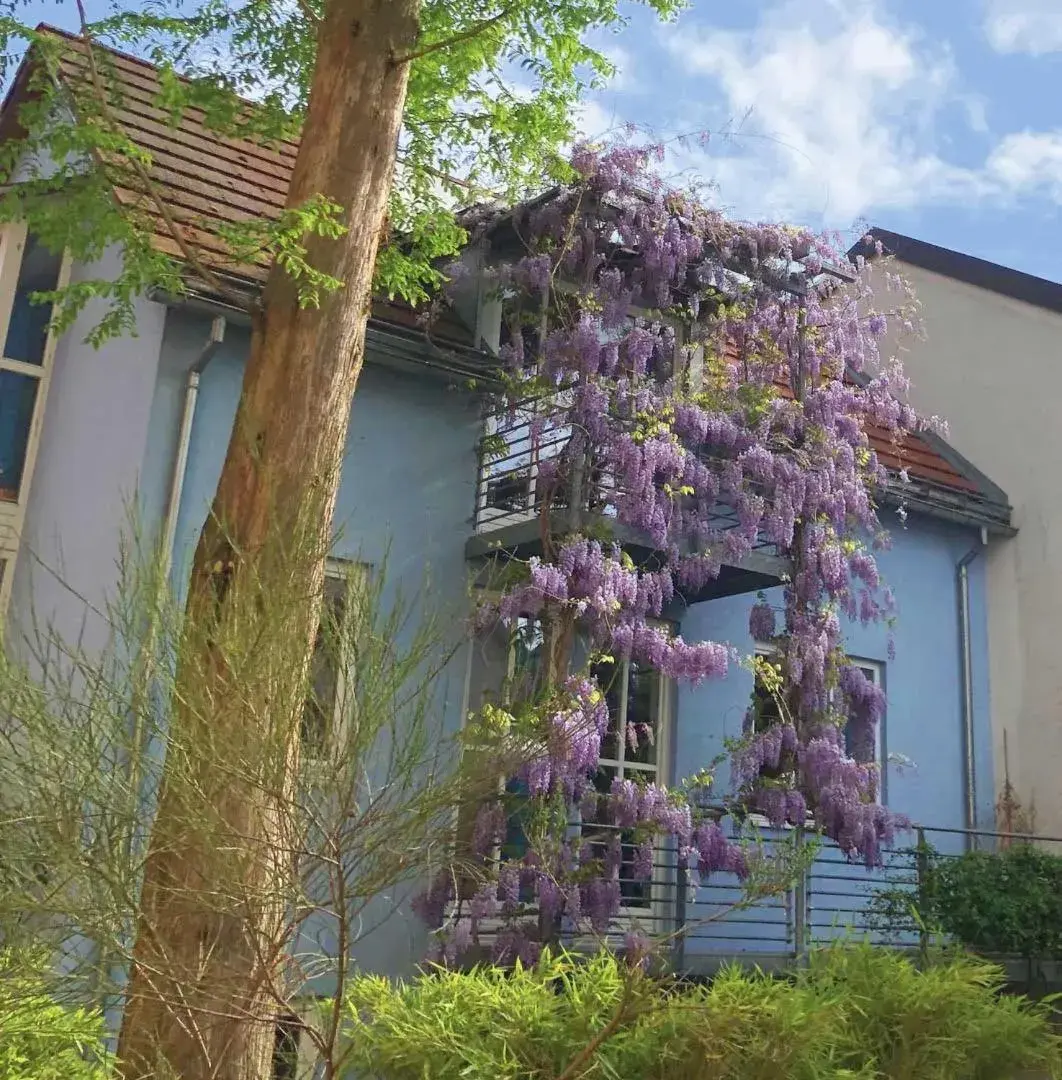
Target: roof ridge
pixel 960 266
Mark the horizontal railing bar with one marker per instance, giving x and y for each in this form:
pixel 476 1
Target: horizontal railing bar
pixel 733 937
pixel 993 835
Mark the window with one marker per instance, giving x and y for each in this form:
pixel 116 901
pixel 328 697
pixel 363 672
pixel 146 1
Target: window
pixel 631 750
pixel 294 1054
pixel 24 363
pixel 765 711
pixel 870 751
pixel 634 747
pixel 328 701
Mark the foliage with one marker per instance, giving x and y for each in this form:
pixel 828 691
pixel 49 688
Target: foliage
pixel 1004 903
pixel 492 93
pixel 86 737
pixel 676 360
pixel 41 1039
pixel 855 1012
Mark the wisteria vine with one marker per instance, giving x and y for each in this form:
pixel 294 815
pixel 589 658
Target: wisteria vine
pixel 678 363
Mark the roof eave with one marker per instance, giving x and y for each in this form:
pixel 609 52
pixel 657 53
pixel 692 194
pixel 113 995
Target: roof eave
pixel 946 504
pixel 980 273
pixel 398 344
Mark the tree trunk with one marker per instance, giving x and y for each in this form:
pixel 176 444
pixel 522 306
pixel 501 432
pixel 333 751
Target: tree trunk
pixel 210 935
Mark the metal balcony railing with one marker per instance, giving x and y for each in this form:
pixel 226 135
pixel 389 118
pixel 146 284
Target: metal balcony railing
pixel 701 926
pixel 511 488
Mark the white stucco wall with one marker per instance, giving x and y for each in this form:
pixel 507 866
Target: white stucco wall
pixel 84 485
pixel 990 366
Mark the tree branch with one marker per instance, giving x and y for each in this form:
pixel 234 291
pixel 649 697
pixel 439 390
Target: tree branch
pixel 471 32
pixel 311 16
pixel 190 256
pixel 624 1010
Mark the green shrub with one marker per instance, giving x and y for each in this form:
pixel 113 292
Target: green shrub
pixel 40 1039
pixel 854 1014
pixel 947 1020
pixel 1009 903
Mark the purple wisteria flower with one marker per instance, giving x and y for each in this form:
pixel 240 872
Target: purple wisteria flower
pixel 767 449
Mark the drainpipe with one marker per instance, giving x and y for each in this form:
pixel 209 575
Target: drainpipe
pixel 184 438
pixel 169 531
pixel 962 573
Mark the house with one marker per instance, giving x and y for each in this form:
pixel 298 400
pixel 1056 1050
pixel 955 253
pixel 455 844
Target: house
pixel 985 361
pixel 145 422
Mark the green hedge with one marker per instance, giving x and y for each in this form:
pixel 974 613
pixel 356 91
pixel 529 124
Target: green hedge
pixel 856 1012
pixel 40 1039
pixel 1008 903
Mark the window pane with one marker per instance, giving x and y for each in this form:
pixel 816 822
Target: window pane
pixel 766 712
pixel 528 652
pixel 514 846
pixel 286 1049
pixel 860 740
pixel 608 679
pixel 27 332
pixel 319 711
pixel 643 713
pixel 17 395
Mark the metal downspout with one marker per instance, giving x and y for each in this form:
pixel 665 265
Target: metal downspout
pixel 169 532
pixel 184 439
pixel 962 571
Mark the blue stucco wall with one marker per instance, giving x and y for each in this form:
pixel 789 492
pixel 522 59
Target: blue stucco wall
pixel 923 721
pixel 407 493
pixel 405 504
pixel 82 499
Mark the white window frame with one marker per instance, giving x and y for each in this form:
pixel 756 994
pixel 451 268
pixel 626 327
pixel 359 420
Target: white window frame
pixel 876 670
pixel 658 909
pixel 13 511
pixel 307 1058
pixel 356 576
pixel 657 772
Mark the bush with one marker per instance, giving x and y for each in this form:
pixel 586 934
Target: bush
pixel 40 1039
pixel 1008 903
pixel 855 1013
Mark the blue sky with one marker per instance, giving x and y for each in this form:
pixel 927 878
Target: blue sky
pixel 941 119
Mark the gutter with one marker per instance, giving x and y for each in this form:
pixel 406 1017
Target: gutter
pixel 184 438
pixel 962 576
pixel 397 344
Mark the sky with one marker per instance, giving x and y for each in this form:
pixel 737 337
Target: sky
pixel 940 119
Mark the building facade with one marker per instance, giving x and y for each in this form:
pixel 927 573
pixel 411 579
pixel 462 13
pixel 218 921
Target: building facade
pixel 986 362
pixel 132 437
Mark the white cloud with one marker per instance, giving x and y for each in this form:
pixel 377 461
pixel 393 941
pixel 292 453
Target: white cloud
pixel 1024 26
pixel 595 119
pixel 837 111
pixel 624 64
pixel 1029 161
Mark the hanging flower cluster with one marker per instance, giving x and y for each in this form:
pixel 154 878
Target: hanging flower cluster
pixel 706 386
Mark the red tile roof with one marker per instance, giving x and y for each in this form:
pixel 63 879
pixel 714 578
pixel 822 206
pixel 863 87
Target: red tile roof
pixel 912 452
pixel 205 179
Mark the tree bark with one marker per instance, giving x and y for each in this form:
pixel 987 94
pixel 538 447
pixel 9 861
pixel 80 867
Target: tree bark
pixel 210 934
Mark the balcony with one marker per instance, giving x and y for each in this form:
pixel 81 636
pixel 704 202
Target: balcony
pixel 701 927
pixel 510 504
